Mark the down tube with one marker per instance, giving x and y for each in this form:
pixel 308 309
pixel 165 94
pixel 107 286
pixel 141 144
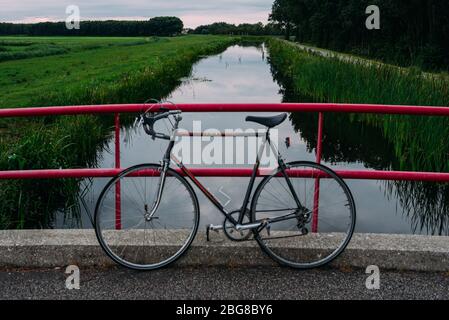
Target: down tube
pixel 203 189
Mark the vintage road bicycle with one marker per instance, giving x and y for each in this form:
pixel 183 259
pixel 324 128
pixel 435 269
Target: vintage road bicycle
pixel 302 214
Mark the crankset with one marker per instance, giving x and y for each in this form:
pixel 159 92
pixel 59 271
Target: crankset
pixel 231 232
pixel 229 229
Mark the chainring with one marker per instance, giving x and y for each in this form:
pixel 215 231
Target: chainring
pixel 230 231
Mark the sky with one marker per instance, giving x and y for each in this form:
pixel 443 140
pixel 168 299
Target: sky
pixel 192 12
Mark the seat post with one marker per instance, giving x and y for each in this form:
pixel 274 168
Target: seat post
pixel 267 136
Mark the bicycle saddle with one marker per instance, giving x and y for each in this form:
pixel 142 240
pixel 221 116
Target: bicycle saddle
pixel 269 122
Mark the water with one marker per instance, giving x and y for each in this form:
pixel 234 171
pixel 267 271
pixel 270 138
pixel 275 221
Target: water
pixel 242 74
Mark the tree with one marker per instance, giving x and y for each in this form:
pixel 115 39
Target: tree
pixel 282 14
pixel 413 32
pixel 159 26
pixel 165 26
pixel 242 29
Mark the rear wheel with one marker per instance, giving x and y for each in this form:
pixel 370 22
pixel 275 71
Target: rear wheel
pixel 123 224
pixel 312 233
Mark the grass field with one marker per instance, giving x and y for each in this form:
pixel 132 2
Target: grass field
pixel 88 63
pixel 90 71
pixel 14 48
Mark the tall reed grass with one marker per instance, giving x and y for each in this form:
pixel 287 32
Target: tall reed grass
pixel 414 143
pixel 421 143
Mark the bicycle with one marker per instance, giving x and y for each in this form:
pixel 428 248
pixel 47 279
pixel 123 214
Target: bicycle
pixel 147 217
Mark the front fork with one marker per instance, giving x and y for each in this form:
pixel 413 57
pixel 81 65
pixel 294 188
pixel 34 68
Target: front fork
pixel 149 214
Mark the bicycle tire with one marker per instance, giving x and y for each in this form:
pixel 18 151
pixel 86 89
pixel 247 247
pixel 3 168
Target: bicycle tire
pixel 183 248
pixel 274 254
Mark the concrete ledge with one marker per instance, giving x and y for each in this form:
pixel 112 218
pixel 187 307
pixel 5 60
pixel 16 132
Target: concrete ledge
pixel 55 248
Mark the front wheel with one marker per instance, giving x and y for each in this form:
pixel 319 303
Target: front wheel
pixel 309 213
pixel 128 231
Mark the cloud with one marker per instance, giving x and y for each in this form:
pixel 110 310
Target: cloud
pixel 193 12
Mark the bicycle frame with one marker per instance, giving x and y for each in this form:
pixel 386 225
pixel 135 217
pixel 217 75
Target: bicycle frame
pixel 238 224
pixel 257 225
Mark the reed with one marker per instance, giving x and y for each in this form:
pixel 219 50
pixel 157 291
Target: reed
pixel 420 143
pixel 381 142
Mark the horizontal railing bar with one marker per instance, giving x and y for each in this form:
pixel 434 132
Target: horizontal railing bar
pixel 237 107
pixel 223 107
pixel 226 172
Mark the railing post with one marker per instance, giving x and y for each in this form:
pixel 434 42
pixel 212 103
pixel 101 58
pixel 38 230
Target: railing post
pixel 118 209
pixel 319 150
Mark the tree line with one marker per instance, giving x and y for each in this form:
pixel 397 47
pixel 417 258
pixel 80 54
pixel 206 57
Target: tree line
pixel 256 29
pixel 159 26
pixel 412 32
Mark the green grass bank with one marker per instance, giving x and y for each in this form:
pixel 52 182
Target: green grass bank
pixel 383 142
pixel 90 71
pixel 421 143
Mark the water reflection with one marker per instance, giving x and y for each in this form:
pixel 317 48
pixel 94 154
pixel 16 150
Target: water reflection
pixel 346 140
pixel 243 74
pixel 349 139
pixel 356 138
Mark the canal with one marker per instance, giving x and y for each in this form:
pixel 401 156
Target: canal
pixel 244 74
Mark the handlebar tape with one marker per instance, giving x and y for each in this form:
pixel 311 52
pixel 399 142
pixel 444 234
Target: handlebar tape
pixel 148 126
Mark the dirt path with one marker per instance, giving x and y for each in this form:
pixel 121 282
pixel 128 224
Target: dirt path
pixel 359 60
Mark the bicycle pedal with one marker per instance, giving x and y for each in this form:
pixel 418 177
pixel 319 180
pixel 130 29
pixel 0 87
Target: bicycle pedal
pixel 213 228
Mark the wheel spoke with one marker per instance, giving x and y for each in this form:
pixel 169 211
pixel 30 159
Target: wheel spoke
pixel 144 242
pixel 294 241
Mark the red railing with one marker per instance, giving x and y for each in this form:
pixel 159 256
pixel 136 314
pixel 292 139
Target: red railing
pixel 226 172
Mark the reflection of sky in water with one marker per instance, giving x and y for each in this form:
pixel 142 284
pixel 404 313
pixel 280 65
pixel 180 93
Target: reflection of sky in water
pixel 241 74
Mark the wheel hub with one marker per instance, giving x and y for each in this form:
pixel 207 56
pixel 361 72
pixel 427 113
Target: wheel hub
pixel 148 217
